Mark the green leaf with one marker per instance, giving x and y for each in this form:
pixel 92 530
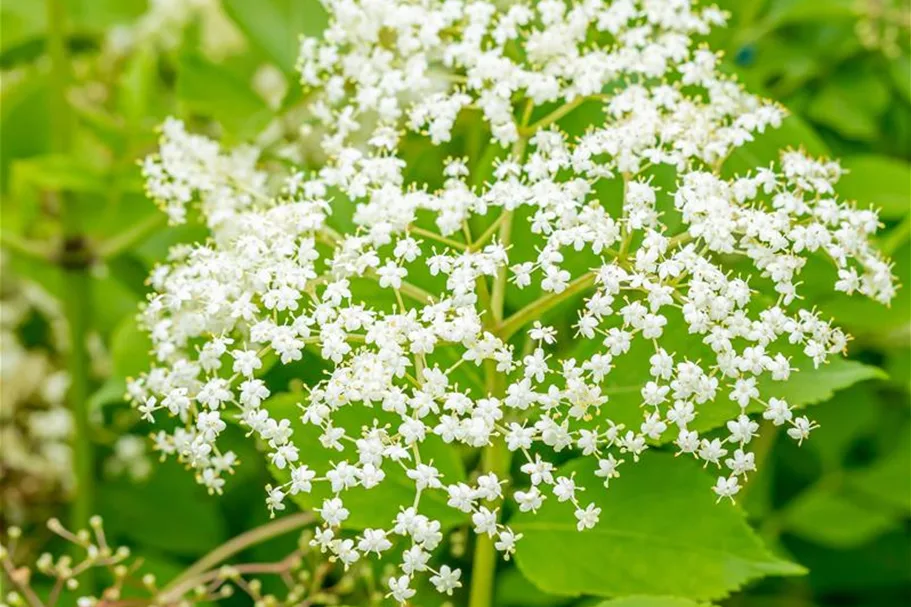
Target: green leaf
pixel 851 107
pixel 766 148
pixel 827 516
pixel 24 123
pixel 789 12
pixel 170 512
pixel 214 91
pixel 130 348
pixel 137 85
pixel 650 601
pixel 661 533
pixel 850 416
pixel 378 506
pixel 806 386
pixel 878 181
pixel 887 480
pixel 54 173
pixel 274 26
pixel 514 590
pixel 900 71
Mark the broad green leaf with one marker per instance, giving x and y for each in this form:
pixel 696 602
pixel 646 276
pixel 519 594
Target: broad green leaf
pixel 838 107
pixel 788 12
pixel 169 511
pixel 24 123
pixel 806 386
pixel 827 516
pixel 887 480
pixel 214 91
pixel 661 533
pixel 274 26
pixel 878 181
pixel 378 506
pixel 651 601
pixel 794 132
pixel 850 416
pixel 55 173
pixel 514 590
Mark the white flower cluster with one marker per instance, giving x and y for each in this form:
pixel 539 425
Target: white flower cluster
pixel 275 281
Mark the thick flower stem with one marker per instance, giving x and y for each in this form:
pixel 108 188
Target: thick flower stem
pixel 495 458
pixel 539 307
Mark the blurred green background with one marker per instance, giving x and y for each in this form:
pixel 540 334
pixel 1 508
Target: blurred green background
pixel 840 506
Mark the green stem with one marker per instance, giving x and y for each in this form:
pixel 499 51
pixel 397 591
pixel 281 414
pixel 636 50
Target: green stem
pixel 76 287
pixel 484 564
pixel 555 115
pixel 124 241
pixel 495 458
pixel 186 580
pixel 76 281
pixel 498 296
pixel 540 306
pixel 26 248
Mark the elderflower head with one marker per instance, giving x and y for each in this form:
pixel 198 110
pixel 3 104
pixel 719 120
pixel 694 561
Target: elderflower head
pixel 428 316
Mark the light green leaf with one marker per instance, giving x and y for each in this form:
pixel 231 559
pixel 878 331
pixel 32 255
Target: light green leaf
pixel 378 506
pixel 794 132
pixel 888 480
pixel 796 11
pixel 900 70
pixel 130 348
pixel 55 172
pixel 170 512
pixel 111 391
pixel 214 91
pixel 878 181
pixel 661 533
pixel 838 107
pixel 274 26
pixel 850 416
pixel 827 516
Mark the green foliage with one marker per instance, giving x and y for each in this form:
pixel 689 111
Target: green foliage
pixel 168 512
pixel 211 90
pixel 274 27
pixel 650 601
pixel 840 507
pixel 661 533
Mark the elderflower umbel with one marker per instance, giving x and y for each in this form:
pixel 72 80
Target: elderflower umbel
pixel 448 363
